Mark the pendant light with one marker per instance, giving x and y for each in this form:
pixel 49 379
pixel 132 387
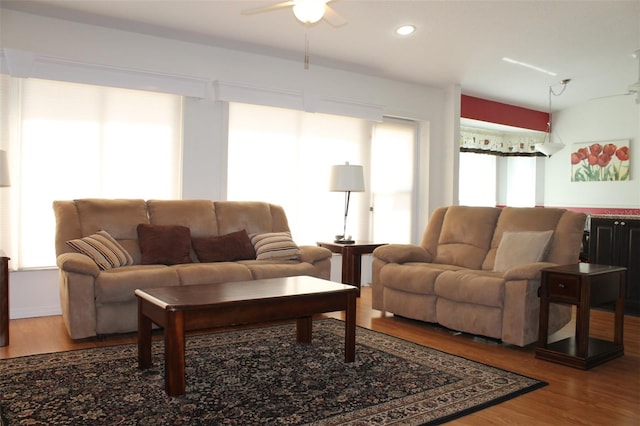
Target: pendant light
pixel 550 147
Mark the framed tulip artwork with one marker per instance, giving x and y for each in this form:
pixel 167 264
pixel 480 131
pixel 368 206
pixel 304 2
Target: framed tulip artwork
pixel 600 161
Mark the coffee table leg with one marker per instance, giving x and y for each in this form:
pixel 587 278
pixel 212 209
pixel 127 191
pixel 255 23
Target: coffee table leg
pixel 350 329
pixel 174 348
pixel 144 338
pixel 304 327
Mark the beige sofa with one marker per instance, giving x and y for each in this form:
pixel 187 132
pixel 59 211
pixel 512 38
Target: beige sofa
pixel 477 270
pixel 99 301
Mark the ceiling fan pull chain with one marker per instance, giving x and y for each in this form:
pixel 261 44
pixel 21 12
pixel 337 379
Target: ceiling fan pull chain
pixel 306 50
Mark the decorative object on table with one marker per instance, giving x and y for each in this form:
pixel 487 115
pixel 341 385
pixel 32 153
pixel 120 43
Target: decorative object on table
pixel 600 161
pixel 258 376
pixel 346 178
pixel 554 144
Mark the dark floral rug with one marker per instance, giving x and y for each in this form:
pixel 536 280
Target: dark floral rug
pixel 256 376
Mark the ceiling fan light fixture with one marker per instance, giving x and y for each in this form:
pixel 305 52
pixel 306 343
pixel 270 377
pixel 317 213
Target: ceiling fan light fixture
pixel 309 11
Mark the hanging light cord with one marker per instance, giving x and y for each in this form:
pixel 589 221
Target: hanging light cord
pixel 552 92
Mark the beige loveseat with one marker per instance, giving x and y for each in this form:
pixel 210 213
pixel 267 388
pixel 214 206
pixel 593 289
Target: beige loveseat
pixel 99 301
pixel 477 270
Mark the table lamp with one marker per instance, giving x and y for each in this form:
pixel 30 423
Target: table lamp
pixel 346 178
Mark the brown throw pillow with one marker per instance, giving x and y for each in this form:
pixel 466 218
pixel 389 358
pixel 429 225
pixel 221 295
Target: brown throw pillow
pixel 224 248
pixel 164 244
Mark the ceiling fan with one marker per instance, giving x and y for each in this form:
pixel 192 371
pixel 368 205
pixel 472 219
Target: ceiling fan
pixel 634 88
pixel 306 11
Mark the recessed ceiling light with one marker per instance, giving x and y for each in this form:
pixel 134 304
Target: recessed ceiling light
pixel 405 30
pixel 526 65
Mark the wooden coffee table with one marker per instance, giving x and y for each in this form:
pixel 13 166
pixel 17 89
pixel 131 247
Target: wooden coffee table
pixel 179 309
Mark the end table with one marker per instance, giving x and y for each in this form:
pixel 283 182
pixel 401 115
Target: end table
pixel 351 259
pixel 4 299
pixel 584 285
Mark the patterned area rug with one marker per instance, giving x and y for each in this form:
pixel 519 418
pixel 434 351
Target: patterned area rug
pixel 256 376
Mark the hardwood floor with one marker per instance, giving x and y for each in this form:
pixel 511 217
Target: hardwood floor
pixel 605 395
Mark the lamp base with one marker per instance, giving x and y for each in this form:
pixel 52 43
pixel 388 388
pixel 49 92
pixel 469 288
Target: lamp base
pixel 341 239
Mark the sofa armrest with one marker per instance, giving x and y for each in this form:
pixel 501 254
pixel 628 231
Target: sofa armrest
pixel 78 263
pixel 402 253
pixel 314 254
pixel 530 271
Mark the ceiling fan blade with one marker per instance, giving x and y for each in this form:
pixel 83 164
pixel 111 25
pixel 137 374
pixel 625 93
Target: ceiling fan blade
pixel 612 96
pixel 332 17
pixel 263 9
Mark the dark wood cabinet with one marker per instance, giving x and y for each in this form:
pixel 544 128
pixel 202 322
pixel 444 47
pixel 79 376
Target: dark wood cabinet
pixel 616 241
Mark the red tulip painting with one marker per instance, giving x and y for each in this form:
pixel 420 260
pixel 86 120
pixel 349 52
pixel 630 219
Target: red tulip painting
pixel 605 161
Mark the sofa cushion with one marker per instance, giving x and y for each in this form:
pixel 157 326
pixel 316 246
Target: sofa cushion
pixel 119 217
pixel 164 244
pixel 418 278
pixel 521 248
pixel 103 249
pixel 466 235
pixel 212 273
pixel 119 284
pixel 275 246
pixel 262 269
pixel 197 215
pixel 225 248
pixel 472 287
pixel 520 219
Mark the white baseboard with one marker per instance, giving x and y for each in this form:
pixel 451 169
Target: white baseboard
pixel 32 312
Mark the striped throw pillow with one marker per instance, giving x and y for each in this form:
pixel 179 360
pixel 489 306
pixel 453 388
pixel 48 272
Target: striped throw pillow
pixel 103 249
pixel 275 246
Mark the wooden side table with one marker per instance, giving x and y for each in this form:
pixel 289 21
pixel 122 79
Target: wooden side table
pixel 4 299
pixel 584 285
pixel 351 259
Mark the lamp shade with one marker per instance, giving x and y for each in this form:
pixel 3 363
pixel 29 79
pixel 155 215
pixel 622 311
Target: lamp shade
pixel 549 148
pixel 4 169
pixel 345 177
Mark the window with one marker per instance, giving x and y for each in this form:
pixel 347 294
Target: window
pixel 284 157
pixel 392 180
pixel 521 181
pixel 477 179
pixel 76 141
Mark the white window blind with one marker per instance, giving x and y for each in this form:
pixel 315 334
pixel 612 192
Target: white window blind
pixel 392 180
pixel 521 181
pixel 477 180
pixel 283 156
pixel 74 141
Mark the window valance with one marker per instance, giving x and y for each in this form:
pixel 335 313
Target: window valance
pixel 483 141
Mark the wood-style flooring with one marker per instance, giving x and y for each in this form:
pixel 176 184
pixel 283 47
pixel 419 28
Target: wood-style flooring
pixel 608 394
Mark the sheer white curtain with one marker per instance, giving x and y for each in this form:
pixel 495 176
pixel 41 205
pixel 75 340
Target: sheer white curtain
pixel 283 156
pixel 73 141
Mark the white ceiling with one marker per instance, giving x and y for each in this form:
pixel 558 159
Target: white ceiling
pixel 456 42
